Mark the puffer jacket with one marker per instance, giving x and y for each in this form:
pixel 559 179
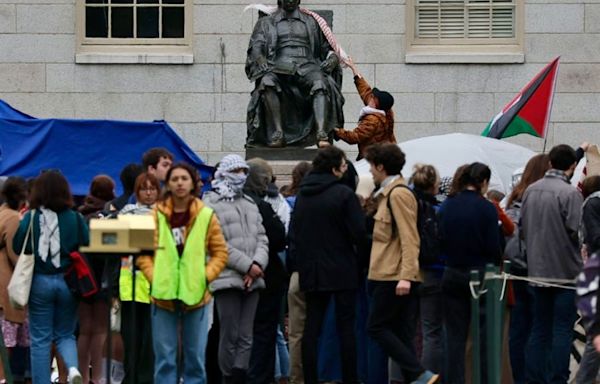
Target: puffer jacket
pixel 372 128
pixel 247 242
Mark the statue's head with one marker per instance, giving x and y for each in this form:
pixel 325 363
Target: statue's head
pixel 289 5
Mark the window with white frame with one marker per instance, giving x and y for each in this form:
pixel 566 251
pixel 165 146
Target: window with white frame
pixel 149 30
pixel 464 30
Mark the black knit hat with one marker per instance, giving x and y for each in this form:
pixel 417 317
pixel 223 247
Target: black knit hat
pixel 386 101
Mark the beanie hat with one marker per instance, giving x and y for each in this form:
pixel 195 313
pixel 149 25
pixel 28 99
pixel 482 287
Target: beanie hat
pixel 386 100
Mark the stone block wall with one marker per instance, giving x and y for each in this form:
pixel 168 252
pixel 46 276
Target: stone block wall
pixel 206 102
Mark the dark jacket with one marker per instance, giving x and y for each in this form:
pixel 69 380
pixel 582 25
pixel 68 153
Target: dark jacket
pixel 327 227
pixel 469 230
pixel 275 274
pixel 73 234
pixel 591 224
pixel 591 238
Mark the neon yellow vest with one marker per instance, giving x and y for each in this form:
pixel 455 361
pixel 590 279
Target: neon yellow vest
pixel 142 286
pixel 181 278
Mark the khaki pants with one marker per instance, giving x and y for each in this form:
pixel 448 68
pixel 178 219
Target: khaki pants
pixel 297 317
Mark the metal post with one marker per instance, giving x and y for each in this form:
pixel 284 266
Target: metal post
pixel 475 331
pixel 133 358
pixel 493 325
pixel 109 337
pixel 502 310
pixel 5 361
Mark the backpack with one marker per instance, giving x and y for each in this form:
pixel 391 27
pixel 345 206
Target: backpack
pixel 428 228
pixel 587 291
pixel 516 253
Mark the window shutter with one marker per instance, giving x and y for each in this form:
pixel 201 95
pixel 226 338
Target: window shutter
pixel 464 19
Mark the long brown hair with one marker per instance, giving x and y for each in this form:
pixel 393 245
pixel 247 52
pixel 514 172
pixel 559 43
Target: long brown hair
pixel 456 187
pixel 300 170
pixel 51 190
pixel 534 170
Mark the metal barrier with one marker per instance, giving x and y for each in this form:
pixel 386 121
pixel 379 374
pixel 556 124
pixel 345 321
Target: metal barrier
pixel 492 289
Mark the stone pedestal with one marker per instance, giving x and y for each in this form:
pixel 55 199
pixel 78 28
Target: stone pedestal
pixel 282 154
pixel 283 160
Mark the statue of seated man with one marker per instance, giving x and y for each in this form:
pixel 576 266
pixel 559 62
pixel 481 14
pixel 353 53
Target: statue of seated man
pixel 297 100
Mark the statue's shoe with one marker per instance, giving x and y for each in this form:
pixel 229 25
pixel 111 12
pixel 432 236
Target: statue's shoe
pixel 276 144
pixel 322 136
pixel 276 140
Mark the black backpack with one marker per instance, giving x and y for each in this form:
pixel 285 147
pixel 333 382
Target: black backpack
pixel 428 228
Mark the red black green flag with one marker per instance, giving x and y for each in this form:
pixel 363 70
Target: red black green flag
pixel 529 111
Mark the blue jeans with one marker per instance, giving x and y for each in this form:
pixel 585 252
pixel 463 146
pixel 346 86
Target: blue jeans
pixel 165 336
pixel 52 318
pixel 282 357
pixel 549 348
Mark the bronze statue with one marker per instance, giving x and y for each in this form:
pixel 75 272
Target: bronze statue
pixel 297 99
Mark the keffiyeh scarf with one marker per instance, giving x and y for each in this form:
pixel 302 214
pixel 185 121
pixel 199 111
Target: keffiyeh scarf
pixel 228 184
pixel 49 242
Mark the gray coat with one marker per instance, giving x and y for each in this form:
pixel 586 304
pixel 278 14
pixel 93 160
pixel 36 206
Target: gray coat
pixel 246 240
pixel 550 217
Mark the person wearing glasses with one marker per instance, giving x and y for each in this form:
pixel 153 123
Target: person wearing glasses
pixel 136 331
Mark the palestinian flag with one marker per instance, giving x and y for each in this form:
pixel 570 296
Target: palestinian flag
pixel 529 111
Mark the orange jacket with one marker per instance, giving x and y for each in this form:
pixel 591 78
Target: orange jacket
pixel 215 244
pixel 372 128
pixel 508 227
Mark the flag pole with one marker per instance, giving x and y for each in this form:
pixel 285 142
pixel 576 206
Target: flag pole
pixel 551 102
pixel 545 141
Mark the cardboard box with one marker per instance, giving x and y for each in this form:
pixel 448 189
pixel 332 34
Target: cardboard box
pixel 125 234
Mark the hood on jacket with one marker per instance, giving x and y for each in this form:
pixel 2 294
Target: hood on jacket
pixel 91 205
pixel 316 182
pixel 260 174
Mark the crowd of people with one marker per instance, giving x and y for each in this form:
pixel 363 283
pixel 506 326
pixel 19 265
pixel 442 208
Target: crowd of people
pixel 322 280
pixel 353 281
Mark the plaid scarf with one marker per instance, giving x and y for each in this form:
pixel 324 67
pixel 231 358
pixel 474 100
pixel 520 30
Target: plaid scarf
pixel 329 36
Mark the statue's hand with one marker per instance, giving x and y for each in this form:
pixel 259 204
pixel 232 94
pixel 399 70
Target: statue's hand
pixel 262 64
pixel 330 63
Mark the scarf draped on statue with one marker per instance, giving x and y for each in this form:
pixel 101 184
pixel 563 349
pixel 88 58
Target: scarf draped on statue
pixel 329 36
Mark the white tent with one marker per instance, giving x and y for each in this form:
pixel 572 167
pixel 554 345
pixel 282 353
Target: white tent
pixel 448 152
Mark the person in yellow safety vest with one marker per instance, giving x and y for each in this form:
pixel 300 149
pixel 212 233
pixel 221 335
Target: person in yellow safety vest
pixel 187 233
pixel 135 328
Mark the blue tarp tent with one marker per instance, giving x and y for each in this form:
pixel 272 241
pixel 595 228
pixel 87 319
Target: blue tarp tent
pixel 82 149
